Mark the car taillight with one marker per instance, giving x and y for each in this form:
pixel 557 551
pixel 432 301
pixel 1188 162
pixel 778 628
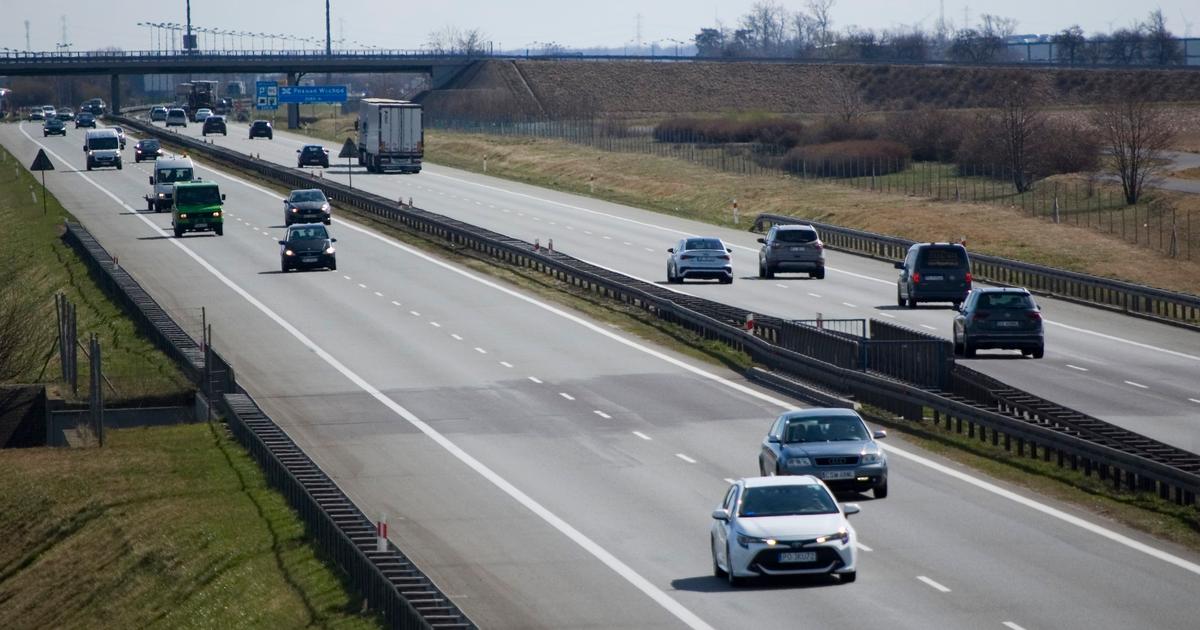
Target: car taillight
pixel 968 277
pixel 819 245
pixel 725 257
pixel 980 315
pixel 916 277
pixel 685 257
pixel 1035 315
pixel 776 245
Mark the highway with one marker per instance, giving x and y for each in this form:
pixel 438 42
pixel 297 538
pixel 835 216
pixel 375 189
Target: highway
pixel 549 471
pixel 1134 373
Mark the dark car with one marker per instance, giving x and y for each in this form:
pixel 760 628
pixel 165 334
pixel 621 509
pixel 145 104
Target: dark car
pixel 148 149
pixel 833 445
pixel 307 246
pixel 65 113
pixel 312 155
pixel 791 248
pixel 85 119
pixel 120 135
pixel 934 272
pixel 37 114
pixel 306 206
pixel 54 127
pixel 214 124
pixel 261 129
pixel 1000 318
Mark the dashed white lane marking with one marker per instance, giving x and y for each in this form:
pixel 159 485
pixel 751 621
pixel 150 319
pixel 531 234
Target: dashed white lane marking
pixel 588 232
pixel 1137 385
pixel 395 303
pixel 601 414
pixel 346 277
pixel 816 295
pixel 566 395
pixel 266 233
pixel 608 238
pixel 507 210
pixel 537 218
pixel 361 285
pixel 480 350
pixel 642 435
pixel 1195 400
pixel 378 294
pixel 933 584
pixel 649 249
pixel 685 458
pixel 627 243
pixel 928 327
pixel 1076 367
pixel 535 380
pixel 849 304
pixel 863 547
pixel 571 227
pixel 520 214
pixel 414 313
pixel 435 324
pixel 888 315
pixel 781 286
pixel 456 337
pixel 1012 626
pixel 506 364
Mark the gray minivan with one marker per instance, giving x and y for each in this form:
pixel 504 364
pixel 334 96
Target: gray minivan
pixel 791 248
pixel 934 272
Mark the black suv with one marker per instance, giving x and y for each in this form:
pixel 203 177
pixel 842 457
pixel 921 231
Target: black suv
pixel 261 129
pixel 999 318
pixel 307 245
pixel 216 124
pixel 312 155
pixel 934 272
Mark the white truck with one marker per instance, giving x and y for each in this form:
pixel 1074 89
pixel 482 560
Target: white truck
pixel 391 135
pixel 168 171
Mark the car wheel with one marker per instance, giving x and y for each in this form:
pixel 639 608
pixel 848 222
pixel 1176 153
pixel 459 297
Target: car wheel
pixel 333 266
pixel 848 577
pixel 958 349
pixel 957 305
pixel 220 230
pixel 734 581
pixel 283 268
pixel 178 232
pixel 762 273
pixel 328 221
pixel 770 273
pixel 1039 352
pixel 150 206
pixel 968 349
pixel 728 280
pixel 912 302
pixel 881 490
pixel 820 274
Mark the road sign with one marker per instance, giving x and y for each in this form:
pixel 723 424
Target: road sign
pixel 42 163
pixel 266 95
pixel 312 94
pixel 349 151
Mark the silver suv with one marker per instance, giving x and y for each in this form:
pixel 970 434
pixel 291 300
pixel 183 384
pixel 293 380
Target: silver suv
pixel 700 257
pixel 791 248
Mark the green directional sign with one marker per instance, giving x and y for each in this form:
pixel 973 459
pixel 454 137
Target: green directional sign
pixel 42 163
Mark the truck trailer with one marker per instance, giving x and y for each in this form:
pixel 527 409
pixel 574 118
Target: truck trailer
pixel 391 136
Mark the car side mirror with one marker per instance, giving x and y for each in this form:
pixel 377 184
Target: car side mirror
pixel 762 240
pixel 297 150
pixel 728 250
pixel 721 514
pixel 333 240
pixel 671 250
pixel 151 180
pixel 283 242
pixel 880 434
pixel 851 508
pixel 773 439
pixel 899 265
pixel 222 196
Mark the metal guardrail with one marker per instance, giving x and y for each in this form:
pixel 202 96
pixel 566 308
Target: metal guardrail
pixel 723 323
pixel 1126 297
pixel 388 580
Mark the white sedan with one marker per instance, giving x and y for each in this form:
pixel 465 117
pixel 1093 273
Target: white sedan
pixel 202 114
pixel 782 526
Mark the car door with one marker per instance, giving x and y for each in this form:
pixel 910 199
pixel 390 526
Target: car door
pixel 764 252
pixel 772 447
pixel 910 261
pixel 721 533
pixel 960 317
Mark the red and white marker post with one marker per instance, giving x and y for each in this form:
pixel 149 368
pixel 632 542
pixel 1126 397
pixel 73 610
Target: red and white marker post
pixel 381 535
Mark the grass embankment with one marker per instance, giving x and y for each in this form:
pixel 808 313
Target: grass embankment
pixel 681 188
pixel 37 264
pixel 170 527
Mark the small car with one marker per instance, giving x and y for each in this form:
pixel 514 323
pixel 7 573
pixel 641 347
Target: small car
pixel 147 149
pixel 49 111
pixel 65 113
pixel 999 318
pixel 700 257
pixel 120 135
pixel 791 248
pixel 85 119
pixel 214 124
pixel 831 444
pixel 312 155
pixel 768 526
pixel 202 114
pixel 158 114
pixel 307 246
pixel 261 129
pixel 37 114
pixel 934 272
pixel 54 127
pixel 306 206
pixel 177 117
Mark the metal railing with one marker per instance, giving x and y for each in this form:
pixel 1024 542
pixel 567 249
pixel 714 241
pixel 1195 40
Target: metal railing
pixel 1169 471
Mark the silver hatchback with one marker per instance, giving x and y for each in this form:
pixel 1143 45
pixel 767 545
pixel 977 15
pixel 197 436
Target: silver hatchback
pixel 700 257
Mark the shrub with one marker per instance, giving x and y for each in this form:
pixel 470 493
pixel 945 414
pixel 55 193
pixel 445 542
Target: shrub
pixel 779 132
pixel 850 158
pixel 932 134
pixel 1066 147
pixel 834 130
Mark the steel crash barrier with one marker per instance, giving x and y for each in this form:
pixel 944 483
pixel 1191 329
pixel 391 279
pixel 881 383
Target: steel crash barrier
pixel 1126 297
pixel 1126 458
pixel 385 578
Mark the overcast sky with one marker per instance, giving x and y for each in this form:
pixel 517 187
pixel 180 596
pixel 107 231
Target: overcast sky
pixel 521 23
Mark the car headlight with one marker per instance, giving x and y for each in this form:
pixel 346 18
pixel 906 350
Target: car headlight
pixel 330 250
pixel 325 208
pixel 745 541
pixel 799 462
pixel 217 213
pixel 162 195
pixel 294 210
pixel 840 535
pixel 182 216
pixel 871 458
pixel 288 252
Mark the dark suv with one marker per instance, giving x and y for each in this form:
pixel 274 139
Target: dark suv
pixel 261 129
pixel 934 272
pixel 999 318
pixel 214 124
pixel 312 155
pixel 791 248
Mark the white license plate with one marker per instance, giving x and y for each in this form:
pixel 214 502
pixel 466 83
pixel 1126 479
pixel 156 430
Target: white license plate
pixel 838 474
pixel 706 259
pixel 797 249
pixel 1008 324
pixel 935 277
pixel 200 225
pixel 309 259
pixel 797 556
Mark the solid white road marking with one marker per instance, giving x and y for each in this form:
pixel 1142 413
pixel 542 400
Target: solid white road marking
pixel 601 414
pixel 1137 385
pixel 642 435
pixel 1076 367
pixel 1145 346
pixel 933 584
pixel 480 350
pixel 566 395
pixel 535 380
pixel 685 458
pixel 1012 626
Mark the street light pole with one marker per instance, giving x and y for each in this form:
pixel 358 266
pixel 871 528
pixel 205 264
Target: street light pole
pixel 188 42
pixel 328 40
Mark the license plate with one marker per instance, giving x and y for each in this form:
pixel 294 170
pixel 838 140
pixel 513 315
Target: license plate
pixel 705 259
pixel 797 249
pixel 1008 324
pixel 838 474
pixel 935 277
pixel 200 225
pixel 309 259
pixel 797 556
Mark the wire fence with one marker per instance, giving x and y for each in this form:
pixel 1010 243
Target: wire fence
pixel 1096 202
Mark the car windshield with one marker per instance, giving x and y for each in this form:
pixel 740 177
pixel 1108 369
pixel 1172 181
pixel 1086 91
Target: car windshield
pixel 703 243
pixel 176 112
pixel 198 195
pixel 313 150
pixel 308 233
pixel 149 144
pixel 796 236
pixel 1017 301
pixel 103 142
pixel 170 175
pixel 260 123
pixel 308 195
pixel 828 429
pixel 948 257
pixel 786 501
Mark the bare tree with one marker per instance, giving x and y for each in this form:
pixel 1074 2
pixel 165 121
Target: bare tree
pixel 1135 132
pixel 1068 44
pixel 844 100
pixel 767 24
pixel 1161 46
pixel 822 21
pixel 452 40
pixel 1021 120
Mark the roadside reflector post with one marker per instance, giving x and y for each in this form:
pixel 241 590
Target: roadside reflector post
pixel 550 245
pixel 592 183
pixel 537 245
pixel 381 535
pixel 736 218
pixel 820 321
pixel 750 322
pixel 485 164
pixel 410 204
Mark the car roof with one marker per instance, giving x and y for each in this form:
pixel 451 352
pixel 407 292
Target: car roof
pixel 822 412
pixel 97 133
pixel 307 190
pixel 305 225
pixel 780 480
pixel 795 226
pixel 196 184
pixel 1020 290
pixel 313 146
pixel 173 161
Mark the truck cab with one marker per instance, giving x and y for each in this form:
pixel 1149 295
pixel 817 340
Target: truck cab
pixel 168 171
pixel 197 208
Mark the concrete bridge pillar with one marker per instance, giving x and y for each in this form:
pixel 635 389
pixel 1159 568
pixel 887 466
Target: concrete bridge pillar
pixel 114 100
pixel 293 109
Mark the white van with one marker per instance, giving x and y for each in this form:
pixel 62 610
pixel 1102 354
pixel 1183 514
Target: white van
pixel 103 148
pixel 168 171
